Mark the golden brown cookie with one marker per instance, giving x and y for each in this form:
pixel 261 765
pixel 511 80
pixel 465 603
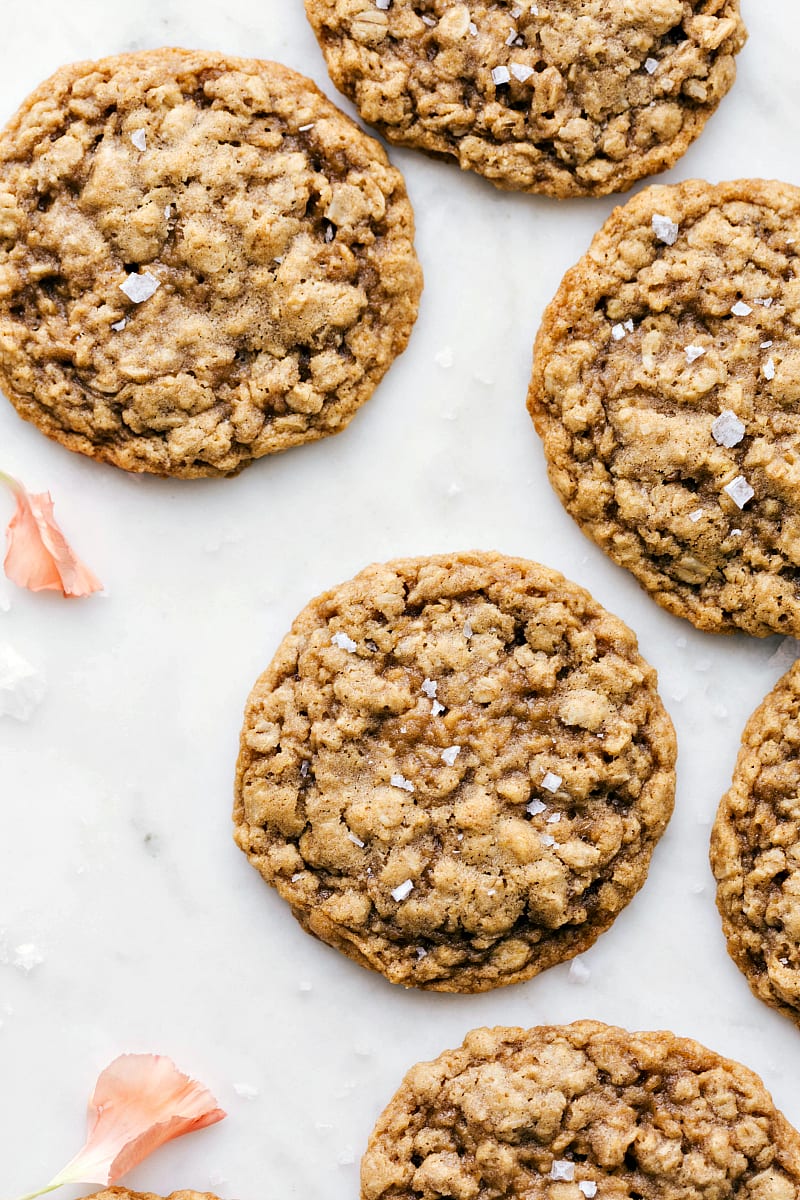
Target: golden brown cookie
pixel 567 97
pixel 121 1193
pixel 455 770
pixel 202 261
pixel 666 389
pixel 583 1110
pixel 755 851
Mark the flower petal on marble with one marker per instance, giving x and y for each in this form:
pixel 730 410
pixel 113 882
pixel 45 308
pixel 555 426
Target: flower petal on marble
pixel 39 557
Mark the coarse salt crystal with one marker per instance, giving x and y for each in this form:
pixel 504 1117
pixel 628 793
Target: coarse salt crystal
pixel 769 369
pixel 563 1169
pixel 694 352
pixel 500 75
pixel 554 818
pixel 512 37
pixel 546 840
pixel 468 630
pixel 450 755
pixel 739 491
pixel 399 781
pixel 740 309
pixel 520 71
pixel 552 782
pixel 628 324
pixel 429 687
pixel 22 687
pixel 766 345
pixel 139 139
pixel 727 430
pixel 355 840
pixel 429 21
pixel 736 533
pixel 767 303
pixel 665 230
pixel 535 807
pixel 344 642
pixel 588 1187
pixel 618 332
pixel 118 326
pixel 139 288
pixel 473 28
pixel 383 4
pixel 247 1091
pixel 578 972
pixel 696 515
pixel 436 708
pixel 651 65
pixel 421 952
pixel 304 767
pixel 402 891
pixel 305 128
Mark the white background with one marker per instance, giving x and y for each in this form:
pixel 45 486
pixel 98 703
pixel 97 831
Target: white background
pixel 116 858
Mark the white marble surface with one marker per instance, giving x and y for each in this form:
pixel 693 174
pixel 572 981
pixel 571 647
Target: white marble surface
pixel 116 861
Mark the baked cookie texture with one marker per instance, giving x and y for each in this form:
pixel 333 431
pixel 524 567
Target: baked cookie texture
pixel 755 851
pixel 278 236
pixel 666 390
pixel 567 97
pixel 120 1193
pixel 455 770
pixel 582 1110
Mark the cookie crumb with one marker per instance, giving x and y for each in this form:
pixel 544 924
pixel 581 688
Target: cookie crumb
pixel 344 642
pixel 403 891
pixel 740 491
pixel 450 755
pixel 727 430
pixel 665 230
pixel 139 288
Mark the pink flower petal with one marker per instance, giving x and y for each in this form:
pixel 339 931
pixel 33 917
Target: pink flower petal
pixel 39 557
pixel 140 1102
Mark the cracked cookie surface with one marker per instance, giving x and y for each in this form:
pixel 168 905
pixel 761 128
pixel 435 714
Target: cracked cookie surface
pixel 455 770
pixel 755 851
pixel 577 1111
pixel 666 390
pixel 264 242
pixel 566 97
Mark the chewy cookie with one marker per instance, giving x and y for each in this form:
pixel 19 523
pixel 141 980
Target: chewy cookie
pixel 755 851
pixel 202 261
pixel 119 1193
pixel 582 1110
pixel 455 770
pixel 567 97
pixel 666 389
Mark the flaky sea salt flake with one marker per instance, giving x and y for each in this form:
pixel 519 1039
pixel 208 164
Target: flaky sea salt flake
pixel 696 515
pixel 118 326
pixel 429 687
pixel 399 781
pixel 740 309
pixel 551 781
pixel 500 75
pixel 436 708
pixel 520 71
pixel 468 630
pixel 344 642
pixel 450 755
pixel 305 128
pixel 727 430
pixel 589 1188
pixel 769 369
pixel 693 353
pixel 665 230
pixel 651 65
pixel 563 1169
pixel 535 807
pixel 739 491
pixel 403 891
pixel 139 139
pixel 354 839
pixel 139 288
pixel 618 332
pixel 547 840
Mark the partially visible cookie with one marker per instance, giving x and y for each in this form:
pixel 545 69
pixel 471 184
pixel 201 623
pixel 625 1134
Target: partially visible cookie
pixel 202 261
pixel 755 851
pixel 455 770
pixel 666 390
pixel 567 97
pixel 578 1111
pixel 120 1193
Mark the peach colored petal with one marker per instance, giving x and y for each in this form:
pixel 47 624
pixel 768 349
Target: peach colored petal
pixel 39 557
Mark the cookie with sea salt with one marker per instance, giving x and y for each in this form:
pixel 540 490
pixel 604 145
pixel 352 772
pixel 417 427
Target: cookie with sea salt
pixel 455 770
pixel 582 1110
pixel 666 390
pixel 566 97
pixel 120 1193
pixel 202 261
pixel 755 851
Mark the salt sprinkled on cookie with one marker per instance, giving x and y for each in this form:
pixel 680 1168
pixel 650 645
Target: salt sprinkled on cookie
pixel 500 75
pixel 563 1169
pixel 727 430
pixel 344 642
pixel 139 288
pixel 118 326
pixel 383 4
pixel 740 491
pixel 696 515
pixel 354 839
pixel 403 891
pixel 551 781
pixel 694 352
pixel 450 755
pixel 588 1187
pixel 651 65
pixel 769 369
pixel 547 840
pixel 399 781
pixel 535 807
pixel 665 230
pixel 618 332
pixel 554 818
pixel 139 139
pixel 468 631
pixel 429 687
pixel 521 72
pixel 304 769
pixel 740 309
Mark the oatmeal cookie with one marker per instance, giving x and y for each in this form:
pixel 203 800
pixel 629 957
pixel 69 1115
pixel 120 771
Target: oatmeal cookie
pixel 583 1110
pixel 455 770
pixel 666 389
pixel 202 261
pixel 567 97
pixel 121 1193
pixel 755 851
